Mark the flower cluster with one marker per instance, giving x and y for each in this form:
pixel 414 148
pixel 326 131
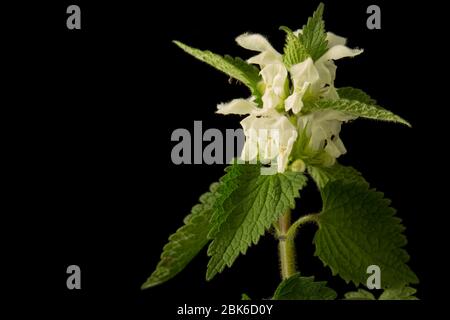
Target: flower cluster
pixel 274 124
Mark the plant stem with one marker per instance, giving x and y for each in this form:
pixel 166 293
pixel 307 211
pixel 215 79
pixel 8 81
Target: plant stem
pixel 301 221
pixel 286 246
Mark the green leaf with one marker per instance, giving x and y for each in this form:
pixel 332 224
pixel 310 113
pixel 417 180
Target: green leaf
pixel 350 93
pixel 403 293
pixel 250 209
pixel 314 37
pixel 354 108
pixel 186 242
pixel 234 67
pixel 361 294
pixel 323 175
pixel 228 184
pixel 294 51
pixel 303 288
pixel 357 228
pixel 245 297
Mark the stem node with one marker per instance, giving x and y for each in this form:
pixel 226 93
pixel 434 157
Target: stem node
pixel 286 246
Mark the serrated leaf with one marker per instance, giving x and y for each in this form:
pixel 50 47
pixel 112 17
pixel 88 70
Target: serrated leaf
pixel 323 175
pixel 234 67
pixel 357 228
pixel 403 293
pixel 350 93
pixel 254 204
pixel 361 294
pixel 354 108
pixel 314 37
pixel 297 287
pixel 228 184
pixel 294 51
pixel 186 242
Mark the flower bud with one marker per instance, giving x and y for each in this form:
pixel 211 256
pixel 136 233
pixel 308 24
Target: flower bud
pixel 298 166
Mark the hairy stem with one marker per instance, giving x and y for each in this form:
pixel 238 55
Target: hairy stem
pixel 286 247
pixel 301 221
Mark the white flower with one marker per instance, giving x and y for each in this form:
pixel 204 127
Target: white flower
pixel 323 127
pixel 303 75
pixel 256 42
pixel 274 77
pixel 237 106
pixel 273 71
pixel 269 134
pixel 318 77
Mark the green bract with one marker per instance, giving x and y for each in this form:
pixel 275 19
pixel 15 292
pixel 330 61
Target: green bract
pixel 293 97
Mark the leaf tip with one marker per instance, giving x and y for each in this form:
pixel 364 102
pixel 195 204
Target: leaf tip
pixel 176 42
pixel 149 284
pixel 320 8
pixel 404 122
pixel 285 29
pixel 210 274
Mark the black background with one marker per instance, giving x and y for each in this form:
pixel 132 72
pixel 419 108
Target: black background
pixel 94 110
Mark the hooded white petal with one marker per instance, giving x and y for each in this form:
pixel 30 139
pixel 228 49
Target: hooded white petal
pixel 325 87
pixel 274 77
pixel 237 106
pixel 304 72
pixel 339 52
pixel 304 75
pixel 334 40
pixel 318 76
pixel 257 42
pixel 327 71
